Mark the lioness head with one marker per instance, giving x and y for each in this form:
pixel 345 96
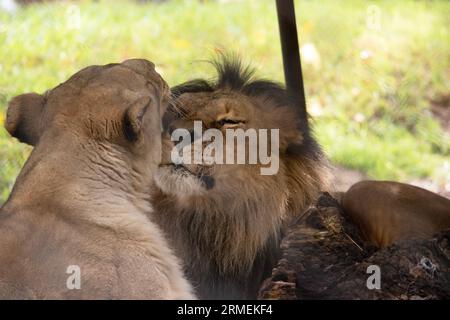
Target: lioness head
pixel 109 114
pixel 222 216
pixel 82 196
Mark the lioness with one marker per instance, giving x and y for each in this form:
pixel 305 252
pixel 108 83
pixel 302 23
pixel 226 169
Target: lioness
pixel 79 204
pixel 225 220
pixel 387 212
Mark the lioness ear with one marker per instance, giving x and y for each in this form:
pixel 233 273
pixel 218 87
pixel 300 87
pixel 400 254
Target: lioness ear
pixel 134 118
pixel 23 117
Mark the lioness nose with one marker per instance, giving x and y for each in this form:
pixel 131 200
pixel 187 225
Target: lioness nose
pixel 141 66
pixel 147 69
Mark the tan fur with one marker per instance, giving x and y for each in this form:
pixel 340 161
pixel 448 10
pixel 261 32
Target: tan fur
pixel 389 212
pixel 226 233
pixel 80 198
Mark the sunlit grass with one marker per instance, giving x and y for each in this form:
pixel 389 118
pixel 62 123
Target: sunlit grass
pixel 369 93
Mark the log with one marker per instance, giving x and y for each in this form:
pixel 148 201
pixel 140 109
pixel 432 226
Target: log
pixel 325 257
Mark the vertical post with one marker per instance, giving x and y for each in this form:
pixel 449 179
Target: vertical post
pixel 291 54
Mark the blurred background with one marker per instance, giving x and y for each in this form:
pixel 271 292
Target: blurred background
pixel 377 73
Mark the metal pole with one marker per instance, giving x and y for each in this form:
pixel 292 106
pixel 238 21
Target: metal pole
pixel 291 54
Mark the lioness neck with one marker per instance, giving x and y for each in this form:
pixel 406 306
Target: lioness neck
pixel 96 180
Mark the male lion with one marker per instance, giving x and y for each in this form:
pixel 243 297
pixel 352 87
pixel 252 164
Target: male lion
pixel 79 204
pixel 225 220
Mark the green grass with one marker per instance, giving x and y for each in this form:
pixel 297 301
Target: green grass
pixel 372 114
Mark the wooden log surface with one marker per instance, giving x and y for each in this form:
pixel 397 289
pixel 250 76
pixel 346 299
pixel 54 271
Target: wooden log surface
pixel 324 257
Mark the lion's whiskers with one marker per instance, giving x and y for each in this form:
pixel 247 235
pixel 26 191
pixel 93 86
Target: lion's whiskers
pixel 176 108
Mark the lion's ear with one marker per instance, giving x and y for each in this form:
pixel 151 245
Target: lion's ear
pixel 134 119
pixel 23 117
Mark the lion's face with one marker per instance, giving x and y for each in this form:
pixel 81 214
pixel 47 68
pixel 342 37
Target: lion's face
pixel 222 110
pixel 114 105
